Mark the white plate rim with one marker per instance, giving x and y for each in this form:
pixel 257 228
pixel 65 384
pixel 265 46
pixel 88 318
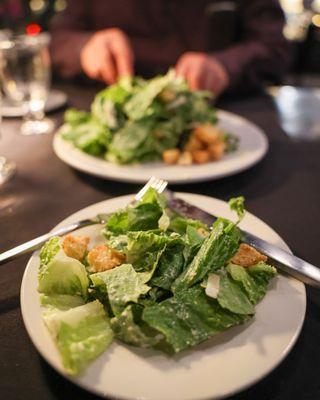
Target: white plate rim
pixel 111 395
pixel 60 99
pixel 91 165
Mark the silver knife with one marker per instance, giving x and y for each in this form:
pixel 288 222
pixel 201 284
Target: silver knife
pixel 295 266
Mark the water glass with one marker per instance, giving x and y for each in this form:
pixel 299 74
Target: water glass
pixel 7 168
pixel 25 73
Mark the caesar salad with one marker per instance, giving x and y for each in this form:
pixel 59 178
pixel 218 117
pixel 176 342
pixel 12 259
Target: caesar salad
pixel 139 121
pixel 159 280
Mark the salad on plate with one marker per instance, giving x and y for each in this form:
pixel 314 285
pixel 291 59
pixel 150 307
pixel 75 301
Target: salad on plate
pixel 137 121
pixel 159 280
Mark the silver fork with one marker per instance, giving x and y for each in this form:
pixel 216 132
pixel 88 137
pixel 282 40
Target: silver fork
pixel 295 266
pixel 36 243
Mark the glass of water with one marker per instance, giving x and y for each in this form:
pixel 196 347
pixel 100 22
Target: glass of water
pixel 26 75
pixel 7 168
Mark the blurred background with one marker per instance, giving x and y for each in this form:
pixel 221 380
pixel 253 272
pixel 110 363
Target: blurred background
pixel 302 29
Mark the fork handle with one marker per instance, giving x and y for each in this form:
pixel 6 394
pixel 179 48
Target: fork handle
pixel 36 243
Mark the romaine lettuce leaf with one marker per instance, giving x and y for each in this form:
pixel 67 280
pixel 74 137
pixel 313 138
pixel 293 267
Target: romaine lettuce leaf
pixel 232 296
pixel 81 334
pixel 218 247
pixel 123 285
pixel 61 301
pixel 254 279
pixel 62 274
pixel 180 224
pixel 139 105
pixel 129 328
pixel 49 250
pixel 170 265
pixel 144 215
pixel 189 317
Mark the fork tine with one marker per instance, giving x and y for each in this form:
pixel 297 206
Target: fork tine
pixel 159 185
pixel 143 190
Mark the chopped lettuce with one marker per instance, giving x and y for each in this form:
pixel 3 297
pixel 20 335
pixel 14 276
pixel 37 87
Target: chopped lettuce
pixel 61 301
pixel 170 265
pixel 123 285
pixel 233 297
pixel 189 318
pixel 49 250
pixel 131 329
pixel 61 274
pixel 144 215
pixel 254 279
pixel 81 334
pixel 218 247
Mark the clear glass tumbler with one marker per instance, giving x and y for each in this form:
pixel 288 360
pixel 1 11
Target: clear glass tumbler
pixel 26 74
pixel 7 168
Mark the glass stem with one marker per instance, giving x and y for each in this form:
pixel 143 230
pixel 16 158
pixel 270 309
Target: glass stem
pixel 34 112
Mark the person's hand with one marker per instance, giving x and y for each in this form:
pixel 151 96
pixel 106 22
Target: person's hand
pixel 107 55
pixel 203 72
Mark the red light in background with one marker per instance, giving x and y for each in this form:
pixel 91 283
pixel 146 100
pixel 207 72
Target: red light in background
pixel 33 29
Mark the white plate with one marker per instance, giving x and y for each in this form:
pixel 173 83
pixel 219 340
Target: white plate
pixel 252 148
pixel 224 365
pixel 55 100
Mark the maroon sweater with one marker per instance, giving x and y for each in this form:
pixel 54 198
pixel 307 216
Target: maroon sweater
pixel 244 35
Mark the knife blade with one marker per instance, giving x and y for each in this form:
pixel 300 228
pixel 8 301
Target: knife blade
pixel 292 265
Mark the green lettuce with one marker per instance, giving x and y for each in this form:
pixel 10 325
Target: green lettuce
pixel 131 329
pixel 217 248
pixel 123 285
pixel 81 334
pixel 140 105
pixel 61 301
pixel 189 318
pixel 60 274
pixel 254 280
pixel 143 215
pixel 232 296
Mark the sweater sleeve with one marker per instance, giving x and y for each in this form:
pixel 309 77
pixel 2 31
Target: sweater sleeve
pixel 261 51
pixel 69 33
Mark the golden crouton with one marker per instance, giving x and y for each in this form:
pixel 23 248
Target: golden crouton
pixel 200 156
pixel 217 150
pixel 102 258
pixel 207 133
pixel 193 144
pixel 171 156
pixel 247 255
pixel 185 158
pixel 75 246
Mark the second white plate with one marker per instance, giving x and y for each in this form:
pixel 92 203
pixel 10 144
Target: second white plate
pixel 252 148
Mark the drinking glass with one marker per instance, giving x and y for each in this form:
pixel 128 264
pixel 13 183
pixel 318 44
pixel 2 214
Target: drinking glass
pixel 7 168
pixel 25 74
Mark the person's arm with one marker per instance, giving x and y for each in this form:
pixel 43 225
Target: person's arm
pixel 261 52
pixel 69 33
pixel 103 55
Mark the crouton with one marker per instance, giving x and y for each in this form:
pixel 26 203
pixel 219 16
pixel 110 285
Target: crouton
pixel 207 133
pixel 185 158
pixel 247 256
pixel 200 156
pixel 217 150
pixel 101 258
pixel 75 246
pixel 193 144
pixel 171 156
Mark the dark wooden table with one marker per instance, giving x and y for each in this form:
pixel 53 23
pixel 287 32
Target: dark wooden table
pixel 283 190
